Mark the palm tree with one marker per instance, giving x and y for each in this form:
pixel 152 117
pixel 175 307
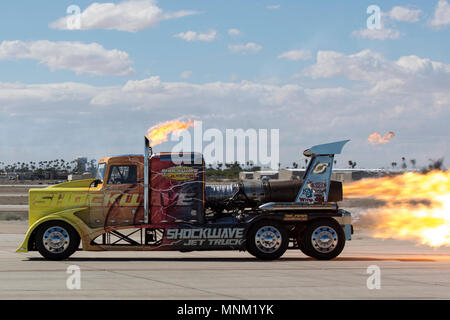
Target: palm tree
pixel 404 165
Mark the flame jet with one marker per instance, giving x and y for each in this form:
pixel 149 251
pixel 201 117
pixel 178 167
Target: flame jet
pixel 416 206
pixel 160 132
pixel 376 138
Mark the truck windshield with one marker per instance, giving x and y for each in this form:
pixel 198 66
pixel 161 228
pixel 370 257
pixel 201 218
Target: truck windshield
pixel 101 171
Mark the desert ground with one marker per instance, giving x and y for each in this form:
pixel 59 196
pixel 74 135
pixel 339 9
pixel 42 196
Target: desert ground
pixel 407 270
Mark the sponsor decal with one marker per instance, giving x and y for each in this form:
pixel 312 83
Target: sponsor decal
pixel 207 236
pixel 296 217
pixel 320 167
pixel 320 198
pixel 319 187
pixel 73 199
pixel 205 233
pixel 307 192
pixel 180 173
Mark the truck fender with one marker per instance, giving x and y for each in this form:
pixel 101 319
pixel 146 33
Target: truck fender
pixel 68 216
pixel 257 218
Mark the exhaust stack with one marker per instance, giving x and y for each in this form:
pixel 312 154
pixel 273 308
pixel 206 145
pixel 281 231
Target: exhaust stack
pixel 147 154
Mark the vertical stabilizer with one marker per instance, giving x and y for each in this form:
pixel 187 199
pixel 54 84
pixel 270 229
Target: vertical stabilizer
pixel 317 178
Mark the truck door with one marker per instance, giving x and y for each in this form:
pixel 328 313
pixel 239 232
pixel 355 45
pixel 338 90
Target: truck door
pixel 123 201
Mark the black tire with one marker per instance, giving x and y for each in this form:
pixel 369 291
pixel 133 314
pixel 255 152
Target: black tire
pixel 332 230
pixel 66 242
pixel 279 239
pixel 302 247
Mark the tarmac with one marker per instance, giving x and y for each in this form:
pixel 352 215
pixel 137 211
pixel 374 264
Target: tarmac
pixel 407 271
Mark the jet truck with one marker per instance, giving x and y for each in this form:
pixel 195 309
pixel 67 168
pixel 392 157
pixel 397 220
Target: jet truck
pixel 161 201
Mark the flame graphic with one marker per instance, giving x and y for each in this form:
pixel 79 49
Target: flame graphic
pixel 416 206
pixel 160 132
pixel 376 138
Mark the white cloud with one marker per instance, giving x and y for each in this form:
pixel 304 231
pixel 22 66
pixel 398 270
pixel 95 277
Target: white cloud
pixel 400 95
pixel 377 34
pixel 329 64
pixel 16 92
pixel 371 67
pixel 76 56
pixel 234 32
pixel 129 15
pixel 273 6
pixel 296 55
pixel 249 47
pixel 404 14
pixel 194 36
pixel 186 74
pixel 441 14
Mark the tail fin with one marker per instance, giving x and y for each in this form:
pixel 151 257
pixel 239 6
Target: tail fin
pixel 316 181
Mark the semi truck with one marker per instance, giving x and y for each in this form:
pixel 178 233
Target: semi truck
pixel 162 201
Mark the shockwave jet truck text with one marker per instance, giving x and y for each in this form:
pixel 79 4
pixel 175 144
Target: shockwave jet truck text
pixel 162 202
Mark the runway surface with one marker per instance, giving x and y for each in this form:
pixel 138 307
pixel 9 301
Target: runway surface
pixel 408 271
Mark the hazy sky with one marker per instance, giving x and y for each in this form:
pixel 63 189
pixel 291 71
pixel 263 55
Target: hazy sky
pixel 309 68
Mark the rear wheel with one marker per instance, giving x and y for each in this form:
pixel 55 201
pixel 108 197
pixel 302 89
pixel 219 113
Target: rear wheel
pixel 57 240
pixel 302 247
pixel 323 239
pixel 267 240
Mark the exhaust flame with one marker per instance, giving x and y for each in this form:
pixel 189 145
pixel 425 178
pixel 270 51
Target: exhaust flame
pixel 416 206
pixel 376 138
pixel 160 132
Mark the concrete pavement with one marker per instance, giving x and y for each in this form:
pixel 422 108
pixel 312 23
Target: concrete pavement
pixel 408 271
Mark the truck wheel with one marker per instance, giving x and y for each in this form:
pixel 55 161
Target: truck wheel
pixel 267 240
pixel 302 247
pixel 323 239
pixel 57 240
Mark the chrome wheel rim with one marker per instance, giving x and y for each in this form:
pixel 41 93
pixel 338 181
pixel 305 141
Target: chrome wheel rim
pixel 268 239
pixel 56 239
pixel 324 239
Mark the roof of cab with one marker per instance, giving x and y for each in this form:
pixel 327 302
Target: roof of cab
pixel 106 159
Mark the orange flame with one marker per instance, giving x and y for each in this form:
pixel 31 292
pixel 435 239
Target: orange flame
pixel 376 138
pixel 160 132
pixel 416 206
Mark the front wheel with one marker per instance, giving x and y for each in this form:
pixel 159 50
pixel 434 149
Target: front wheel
pixel 57 240
pixel 267 240
pixel 323 239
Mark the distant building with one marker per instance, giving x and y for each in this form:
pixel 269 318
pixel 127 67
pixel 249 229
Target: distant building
pixel 9 176
pixel 259 175
pixel 291 174
pixel 86 175
pixel 348 175
pixel 342 176
pixel 246 175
